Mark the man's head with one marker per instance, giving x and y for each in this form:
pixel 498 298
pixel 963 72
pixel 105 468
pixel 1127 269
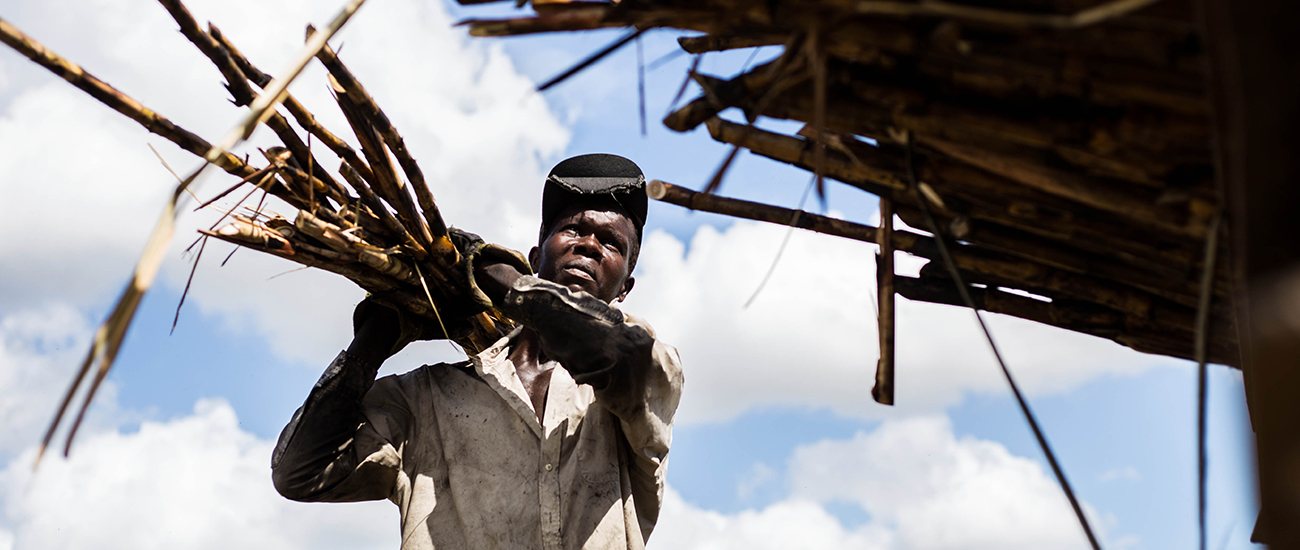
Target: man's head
pixel 593 209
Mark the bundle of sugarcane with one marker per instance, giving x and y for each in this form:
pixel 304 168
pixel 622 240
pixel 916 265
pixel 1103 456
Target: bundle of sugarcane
pixel 376 223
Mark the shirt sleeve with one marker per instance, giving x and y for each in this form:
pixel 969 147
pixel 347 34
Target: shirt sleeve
pixel 643 390
pixel 345 442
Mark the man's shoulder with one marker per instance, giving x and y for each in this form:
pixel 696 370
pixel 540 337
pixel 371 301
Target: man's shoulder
pixel 635 320
pixel 419 377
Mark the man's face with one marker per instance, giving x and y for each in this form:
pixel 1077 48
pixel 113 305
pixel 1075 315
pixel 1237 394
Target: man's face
pixel 588 249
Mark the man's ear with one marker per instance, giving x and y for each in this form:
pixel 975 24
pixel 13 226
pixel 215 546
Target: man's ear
pixel 534 256
pixel 627 287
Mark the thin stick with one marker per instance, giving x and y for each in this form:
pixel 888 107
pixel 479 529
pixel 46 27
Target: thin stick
pixel 779 69
pixel 228 190
pixel 665 59
pixel 817 59
pixel 590 60
pixel 256 212
pixel 962 289
pixel 753 54
pixel 283 273
pixel 169 170
pixel 640 84
pixel 188 280
pixel 780 251
pixel 1203 374
pixel 934 8
pixel 686 82
pixel 424 285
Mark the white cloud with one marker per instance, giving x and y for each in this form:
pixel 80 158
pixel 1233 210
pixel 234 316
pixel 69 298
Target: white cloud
pixel 809 340
pixel 199 481
pixel 758 476
pixel 195 482
pixel 795 523
pixel 937 491
pixel 39 351
pixel 919 486
pixel 90 189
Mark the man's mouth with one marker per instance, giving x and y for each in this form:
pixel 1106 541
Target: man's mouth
pixel 579 272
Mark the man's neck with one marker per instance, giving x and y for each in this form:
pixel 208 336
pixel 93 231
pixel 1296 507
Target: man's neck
pixel 532 368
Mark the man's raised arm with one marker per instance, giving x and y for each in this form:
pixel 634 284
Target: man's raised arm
pixel 341 445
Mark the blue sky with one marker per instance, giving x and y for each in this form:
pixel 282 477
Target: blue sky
pixel 778 439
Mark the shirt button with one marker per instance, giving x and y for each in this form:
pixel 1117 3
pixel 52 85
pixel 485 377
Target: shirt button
pixel 549 467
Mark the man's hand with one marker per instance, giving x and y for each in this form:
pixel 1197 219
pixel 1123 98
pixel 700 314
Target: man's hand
pixel 380 331
pixel 586 335
pixel 495 279
pixel 490 269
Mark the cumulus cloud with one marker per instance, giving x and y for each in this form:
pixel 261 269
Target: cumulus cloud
pixel 809 340
pixel 919 486
pixel 90 189
pixel 934 490
pixel 195 482
pixel 794 523
pixel 39 350
pixel 199 481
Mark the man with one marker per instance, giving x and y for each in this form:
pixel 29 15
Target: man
pixel 505 450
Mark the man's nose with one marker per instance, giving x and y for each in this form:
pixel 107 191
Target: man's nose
pixel 587 245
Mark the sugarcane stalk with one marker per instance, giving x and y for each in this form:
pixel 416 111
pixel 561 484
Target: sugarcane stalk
pixel 349 244
pixel 300 113
pixel 369 110
pixel 114 99
pixel 243 94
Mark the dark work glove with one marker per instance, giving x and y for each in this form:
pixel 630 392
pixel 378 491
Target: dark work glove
pixel 479 254
pixel 586 335
pixel 385 330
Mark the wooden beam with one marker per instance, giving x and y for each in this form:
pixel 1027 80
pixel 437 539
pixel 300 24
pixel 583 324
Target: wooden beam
pixel 883 391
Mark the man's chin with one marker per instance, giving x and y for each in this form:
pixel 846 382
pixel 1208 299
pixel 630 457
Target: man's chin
pixel 577 284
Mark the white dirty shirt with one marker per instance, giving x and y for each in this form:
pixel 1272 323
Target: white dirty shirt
pixel 459 449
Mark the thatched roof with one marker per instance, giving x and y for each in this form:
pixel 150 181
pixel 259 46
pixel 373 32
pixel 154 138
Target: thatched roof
pixel 1064 146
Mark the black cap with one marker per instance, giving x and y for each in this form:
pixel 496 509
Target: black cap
pixel 597 179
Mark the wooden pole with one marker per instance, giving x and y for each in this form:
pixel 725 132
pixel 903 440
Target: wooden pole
pixel 883 391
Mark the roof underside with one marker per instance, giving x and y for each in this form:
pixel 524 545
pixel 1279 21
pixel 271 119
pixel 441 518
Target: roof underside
pixel 1065 145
